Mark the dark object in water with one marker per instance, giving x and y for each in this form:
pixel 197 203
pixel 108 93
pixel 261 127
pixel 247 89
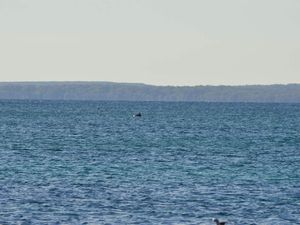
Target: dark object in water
pixel 218 222
pixel 137 115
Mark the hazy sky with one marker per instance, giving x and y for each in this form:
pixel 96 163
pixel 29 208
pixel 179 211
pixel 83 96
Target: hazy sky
pixel 175 42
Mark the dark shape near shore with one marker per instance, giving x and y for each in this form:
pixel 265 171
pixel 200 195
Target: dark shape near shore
pixel 137 115
pixel 218 222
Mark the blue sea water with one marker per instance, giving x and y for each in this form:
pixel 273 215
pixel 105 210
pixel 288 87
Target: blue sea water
pixel 72 162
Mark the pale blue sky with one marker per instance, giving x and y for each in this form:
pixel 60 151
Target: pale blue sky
pixel 176 42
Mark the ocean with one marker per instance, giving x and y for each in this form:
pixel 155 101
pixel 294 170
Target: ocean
pixel 92 162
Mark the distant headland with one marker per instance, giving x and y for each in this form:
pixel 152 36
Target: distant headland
pixel 110 91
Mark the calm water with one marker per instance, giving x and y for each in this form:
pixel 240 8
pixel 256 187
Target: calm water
pixel 181 163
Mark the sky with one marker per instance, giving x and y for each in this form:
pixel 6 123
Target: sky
pixel 160 42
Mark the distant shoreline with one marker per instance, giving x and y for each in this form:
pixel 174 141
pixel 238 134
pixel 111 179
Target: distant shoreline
pixel 110 91
pixel 145 84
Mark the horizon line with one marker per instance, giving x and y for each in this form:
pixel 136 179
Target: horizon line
pixel 156 85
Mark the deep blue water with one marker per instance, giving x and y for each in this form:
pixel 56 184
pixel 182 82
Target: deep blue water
pixel 180 163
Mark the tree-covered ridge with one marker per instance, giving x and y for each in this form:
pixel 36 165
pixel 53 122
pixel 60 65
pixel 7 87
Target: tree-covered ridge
pixel 142 92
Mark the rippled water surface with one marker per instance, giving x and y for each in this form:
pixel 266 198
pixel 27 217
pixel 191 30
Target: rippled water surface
pixel 180 163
